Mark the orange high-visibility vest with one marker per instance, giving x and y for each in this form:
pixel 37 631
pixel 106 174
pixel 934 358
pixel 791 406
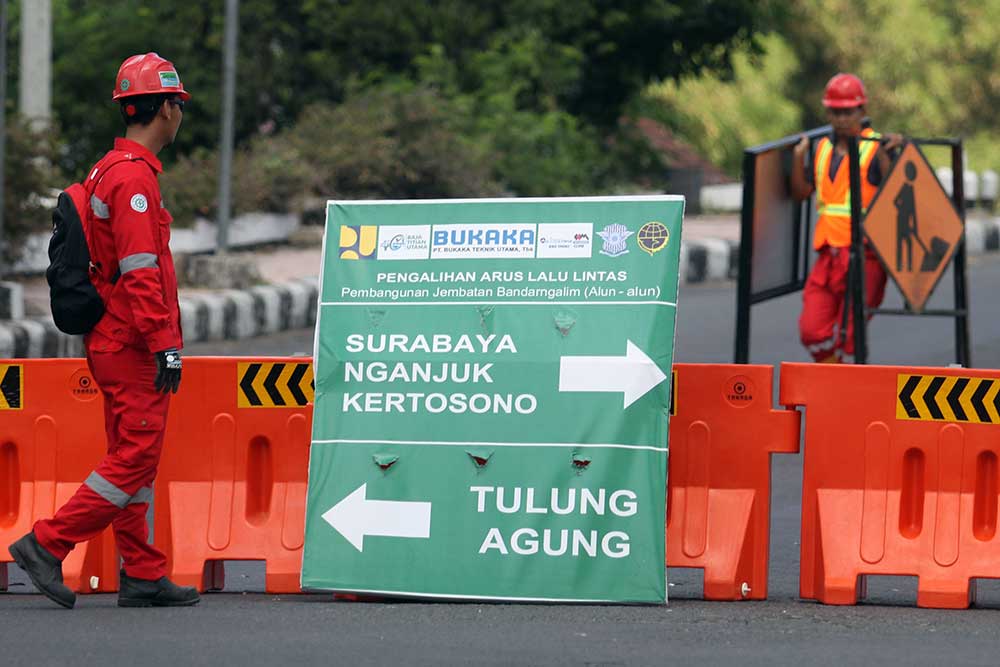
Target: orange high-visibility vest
pixel 833 197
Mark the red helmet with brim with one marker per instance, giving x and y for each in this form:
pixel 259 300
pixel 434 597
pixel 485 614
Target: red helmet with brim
pixel 148 74
pixel 844 91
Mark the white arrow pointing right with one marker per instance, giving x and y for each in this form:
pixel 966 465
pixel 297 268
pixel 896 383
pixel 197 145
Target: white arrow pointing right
pixel 634 374
pixel 355 516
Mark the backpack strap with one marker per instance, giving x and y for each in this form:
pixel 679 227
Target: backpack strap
pixel 90 184
pixel 101 169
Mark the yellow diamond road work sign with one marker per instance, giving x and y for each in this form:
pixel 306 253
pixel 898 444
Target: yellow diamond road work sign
pixel 948 399
pixel 274 385
pixel 11 386
pixel 913 226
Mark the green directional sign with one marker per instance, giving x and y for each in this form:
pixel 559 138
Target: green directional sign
pixel 492 393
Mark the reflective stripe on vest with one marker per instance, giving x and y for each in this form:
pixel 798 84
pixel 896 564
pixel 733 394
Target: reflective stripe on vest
pixel 833 198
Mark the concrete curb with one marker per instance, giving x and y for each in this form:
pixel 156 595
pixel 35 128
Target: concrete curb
pixel 709 259
pixel 36 338
pixel 259 311
pixel 718 259
pixel 209 316
pixel 269 309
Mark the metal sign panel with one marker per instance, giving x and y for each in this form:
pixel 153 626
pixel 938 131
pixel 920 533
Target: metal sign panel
pixel 777 222
pixel 492 396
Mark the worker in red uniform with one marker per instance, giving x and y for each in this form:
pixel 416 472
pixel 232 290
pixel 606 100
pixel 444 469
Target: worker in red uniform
pixel 133 352
pixel 821 323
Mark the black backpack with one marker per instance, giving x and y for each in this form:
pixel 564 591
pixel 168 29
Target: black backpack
pixel 75 282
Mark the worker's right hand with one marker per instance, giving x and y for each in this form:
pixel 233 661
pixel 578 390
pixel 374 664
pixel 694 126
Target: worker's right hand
pixel 801 148
pixel 168 371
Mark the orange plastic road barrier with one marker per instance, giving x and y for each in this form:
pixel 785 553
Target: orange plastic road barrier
pixel 722 435
pixel 900 478
pixel 232 481
pixel 51 438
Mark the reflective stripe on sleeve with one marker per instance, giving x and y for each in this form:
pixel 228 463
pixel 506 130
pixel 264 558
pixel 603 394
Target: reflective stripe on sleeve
pixel 107 490
pixel 100 208
pixel 140 260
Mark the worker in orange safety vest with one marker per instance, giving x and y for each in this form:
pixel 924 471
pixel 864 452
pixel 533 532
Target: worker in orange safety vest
pixel 133 352
pixel 825 329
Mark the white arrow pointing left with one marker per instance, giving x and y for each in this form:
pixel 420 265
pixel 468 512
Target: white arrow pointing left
pixel 633 375
pixel 355 516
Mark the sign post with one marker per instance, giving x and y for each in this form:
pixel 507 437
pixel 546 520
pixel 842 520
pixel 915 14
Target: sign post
pixel 492 393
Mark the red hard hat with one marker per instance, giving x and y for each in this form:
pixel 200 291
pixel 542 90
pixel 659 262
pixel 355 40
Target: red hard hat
pixel 844 91
pixel 148 74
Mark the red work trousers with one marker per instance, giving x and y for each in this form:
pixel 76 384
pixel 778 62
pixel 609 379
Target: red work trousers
pixel 120 489
pixel 820 325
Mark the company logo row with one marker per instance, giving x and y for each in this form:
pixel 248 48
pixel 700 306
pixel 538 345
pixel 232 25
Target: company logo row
pixel 546 240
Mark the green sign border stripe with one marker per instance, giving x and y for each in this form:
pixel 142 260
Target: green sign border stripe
pixel 669 304
pixel 453 443
pixel 457 596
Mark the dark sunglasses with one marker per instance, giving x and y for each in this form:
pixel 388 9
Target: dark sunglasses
pixel 844 112
pixel 177 102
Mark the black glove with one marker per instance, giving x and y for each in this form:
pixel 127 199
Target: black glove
pixel 168 371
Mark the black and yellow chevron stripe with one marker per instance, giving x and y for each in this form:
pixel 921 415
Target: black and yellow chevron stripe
pixel 948 398
pixel 11 386
pixel 274 385
pixel 673 393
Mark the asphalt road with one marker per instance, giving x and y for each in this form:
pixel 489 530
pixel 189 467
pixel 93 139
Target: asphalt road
pixel 257 629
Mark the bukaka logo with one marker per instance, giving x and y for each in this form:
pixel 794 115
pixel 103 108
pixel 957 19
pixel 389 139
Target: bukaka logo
pixel 483 240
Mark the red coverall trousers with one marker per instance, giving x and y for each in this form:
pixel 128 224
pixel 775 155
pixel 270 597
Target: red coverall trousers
pixel 823 303
pixel 120 489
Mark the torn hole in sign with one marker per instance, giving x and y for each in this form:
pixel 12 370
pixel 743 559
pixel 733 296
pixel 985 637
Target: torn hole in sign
pixel 385 461
pixel 375 317
pixel 480 456
pixel 580 461
pixel 486 317
pixel 564 321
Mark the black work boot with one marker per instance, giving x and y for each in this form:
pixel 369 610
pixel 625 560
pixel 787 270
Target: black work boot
pixel 44 569
pixel 134 592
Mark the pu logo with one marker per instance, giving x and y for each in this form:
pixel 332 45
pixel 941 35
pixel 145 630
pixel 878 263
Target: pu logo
pixel 358 241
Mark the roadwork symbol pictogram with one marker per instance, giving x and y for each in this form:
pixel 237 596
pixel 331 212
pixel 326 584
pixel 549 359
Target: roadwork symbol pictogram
pixel 913 226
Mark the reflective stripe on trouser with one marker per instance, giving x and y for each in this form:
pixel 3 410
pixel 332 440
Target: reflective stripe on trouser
pixel 119 490
pixel 820 325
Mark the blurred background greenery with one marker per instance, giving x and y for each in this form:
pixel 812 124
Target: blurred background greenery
pixel 453 98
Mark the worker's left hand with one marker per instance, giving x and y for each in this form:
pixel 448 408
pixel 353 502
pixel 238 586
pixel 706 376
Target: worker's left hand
pixel 892 141
pixel 168 371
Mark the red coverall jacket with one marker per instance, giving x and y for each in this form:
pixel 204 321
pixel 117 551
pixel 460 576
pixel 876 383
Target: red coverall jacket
pixel 130 232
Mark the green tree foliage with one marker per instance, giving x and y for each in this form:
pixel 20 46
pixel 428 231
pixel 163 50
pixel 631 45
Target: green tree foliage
pixel 28 183
pixel 720 117
pixel 388 142
pixel 590 56
pixel 929 66
pixel 381 98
